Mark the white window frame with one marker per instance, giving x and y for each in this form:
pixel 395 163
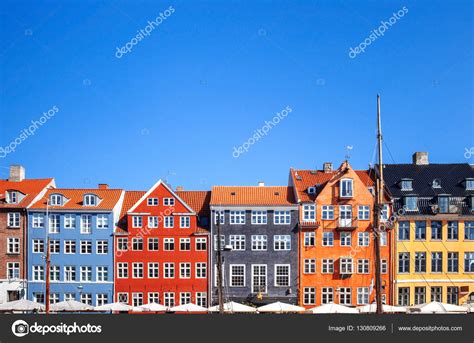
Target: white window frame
pixel 259 242
pixel 153 222
pixel 231 273
pixel 281 217
pixel 309 212
pixel 14 220
pixel 152 202
pixel 286 276
pixel 259 217
pixel 346 188
pixel 184 222
pixel 237 217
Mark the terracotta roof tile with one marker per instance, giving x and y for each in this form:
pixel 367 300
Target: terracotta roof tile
pixel 130 198
pixel 30 187
pixel 252 195
pixel 199 202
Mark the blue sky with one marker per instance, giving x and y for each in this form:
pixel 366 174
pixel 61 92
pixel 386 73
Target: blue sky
pixel 213 72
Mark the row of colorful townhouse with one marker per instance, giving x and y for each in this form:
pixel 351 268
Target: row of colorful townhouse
pixel 309 243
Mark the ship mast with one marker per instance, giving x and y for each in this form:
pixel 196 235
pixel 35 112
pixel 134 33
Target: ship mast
pixel 220 291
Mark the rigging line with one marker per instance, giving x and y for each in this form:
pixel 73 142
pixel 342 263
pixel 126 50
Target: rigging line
pixel 388 149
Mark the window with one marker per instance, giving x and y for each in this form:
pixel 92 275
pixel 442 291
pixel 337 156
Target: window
pixel 69 221
pixel 69 273
pixel 259 278
pixel 53 298
pixel 14 220
pixel 346 265
pixel 437 294
pixel 383 266
pixel 443 204
pixel 469 262
pixel 169 270
pixel 102 247
pixel 185 244
pixel 436 262
pixel 201 244
pixel 327 212
pixel 309 266
pixel 168 201
pixel 90 200
pixel 137 221
pixel 345 215
pixel 102 274
pixel 363 240
pixel 101 299
pixel 184 222
pixel 309 213
pixel 469 231
pixel 102 221
pixel 86 273
pixel 282 275
pixel 69 247
pixel 54 223
pixel 345 239
pixel 259 217
pixel 137 244
pixel 237 242
pixel 281 242
pixel 86 247
pixel 153 297
pixel 469 184
pixel 281 217
pixel 12 197
pixel 13 245
pixel 201 299
pixel 410 203
pixel 122 269
pixel 69 296
pixel 168 244
pixel 404 296
pixel 364 212
pixel 221 215
pixel 37 220
pixel 152 202
pixel 184 298
pixel 237 217
pixel 86 224
pixel 169 299
pixel 38 246
pixel 363 266
pixel 309 239
pixel 201 270
pixel 453 262
pixel 259 242
pixel 328 239
pixel 404 231
pixel 38 297
pixel 436 230
pixel 185 270
pixel 363 295
pixel 453 295
pixel 13 270
pixel 420 230
pixel 327 295
pixel 407 185
pixel 327 266
pixel 152 222
pixel 345 296
pixel 122 297
pixel 137 270
pixel 222 243
pixel 169 222
pixel 384 213
pixel 122 244
pixel 137 299
pixel 383 239
pixel 453 230
pixel 404 262
pixel 309 295
pixel 237 275
pixel 420 262
pixel 54 246
pixel 153 244
pixel 55 200
pixel 153 270
pixel 346 188
pixel 420 295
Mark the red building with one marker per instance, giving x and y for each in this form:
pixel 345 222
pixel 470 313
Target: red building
pixel 161 247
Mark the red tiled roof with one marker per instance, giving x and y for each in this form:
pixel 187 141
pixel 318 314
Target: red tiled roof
pixel 199 202
pixel 109 198
pixel 30 187
pixel 130 198
pixel 252 195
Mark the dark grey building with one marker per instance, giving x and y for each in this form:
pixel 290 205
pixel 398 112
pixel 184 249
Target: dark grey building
pixel 259 235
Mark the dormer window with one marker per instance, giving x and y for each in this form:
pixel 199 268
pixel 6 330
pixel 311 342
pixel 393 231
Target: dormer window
pixel 91 200
pixel 470 184
pixel 410 203
pixel 55 200
pixel 13 197
pixel 311 190
pixel 436 183
pixel 346 190
pixel 443 204
pixel 406 185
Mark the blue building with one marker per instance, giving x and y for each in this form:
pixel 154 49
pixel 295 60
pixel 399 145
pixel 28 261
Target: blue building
pixel 79 225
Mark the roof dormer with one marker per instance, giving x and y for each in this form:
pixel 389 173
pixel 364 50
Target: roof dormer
pixel 90 199
pixel 14 196
pixel 406 184
pixel 469 184
pixel 57 199
pixel 311 190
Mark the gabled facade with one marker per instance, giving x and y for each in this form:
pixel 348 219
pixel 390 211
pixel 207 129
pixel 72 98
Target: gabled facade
pixel 16 195
pixel 259 241
pixel 434 241
pixel 79 225
pixel 336 242
pixel 161 253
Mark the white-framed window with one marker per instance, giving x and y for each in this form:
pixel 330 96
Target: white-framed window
pixel 201 270
pixel 222 242
pixel 122 270
pixel 152 222
pixel 102 273
pixel 137 221
pixel 137 243
pixel 168 244
pixel 216 274
pixel 201 299
pixel 237 242
pixel 327 212
pixel 259 242
pixel 152 202
pixel 363 266
pixel 363 295
pixel 69 296
pixel 345 296
pixel 38 246
pixel 281 242
pixel 102 247
pixel 153 244
pixel 122 297
pixel 169 270
pixel 309 213
pixel 37 220
pixel 86 224
pixel 259 217
pixel 185 270
pixel 184 222
pixel 153 270
pixel 184 298
pixel 90 200
pixel 137 270
pixel 282 275
pixel 14 219
pixel 346 239
pixel 168 201
pixel 345 188
pixel 309 239
pixel 363 239
pixel 237 275
pixel 69 246
pixel 55 200
pixel 328 239
pixel 185 244
pixel 122 244
pixel 86 247
pixel 383 266
pixel 363 212
pixel 13 245
pixel 102 221
pixel 327 295
pixel 169 299
pixel 385 213
pixel 259 278
pixel 12 197
pixel 101 299
pixel 86 274
pixel 309 265
pixel 54 223
pixel 282 217
pixel 13 270
pixel 201 244
pixel 237 217
pixel 169 222
pixel 53 298
pixel 406 185
pixel 137 299
pixel 38 297
pixel 383 238
pixel 69 221
pixel 309 295
pixel 345 265
pixel 327 266
pixel 153 297
pixel 54 246
pixel 221 215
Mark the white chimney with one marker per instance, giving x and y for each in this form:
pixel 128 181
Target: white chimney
pixel 420 158
pixel 17 173
pixel 261 184
pixel 327 167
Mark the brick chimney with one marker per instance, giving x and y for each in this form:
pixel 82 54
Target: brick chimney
pixel 327 167
pixel 17 173
pixel 179 188
pixel 420 158
pixel 103 186
pixel 261 184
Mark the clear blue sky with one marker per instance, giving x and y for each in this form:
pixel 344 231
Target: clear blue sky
pixel 213 72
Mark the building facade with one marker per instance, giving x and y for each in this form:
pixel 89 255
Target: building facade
pixel 77 225
pixel 336 249
pixel 434 244
pixel 259 243
pixel 16 195
pixel 161 253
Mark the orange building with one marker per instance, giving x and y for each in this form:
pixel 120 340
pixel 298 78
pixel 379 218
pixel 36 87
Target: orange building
pixel 336 245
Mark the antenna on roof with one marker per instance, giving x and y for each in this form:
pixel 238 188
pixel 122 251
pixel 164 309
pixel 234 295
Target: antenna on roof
pixel 348 149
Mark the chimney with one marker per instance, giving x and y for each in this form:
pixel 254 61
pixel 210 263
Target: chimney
pixel 17 173
pixel 103 186
pixel 261 184
pixel 327 167
pixel 420 158
pixel 179 188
